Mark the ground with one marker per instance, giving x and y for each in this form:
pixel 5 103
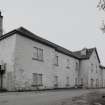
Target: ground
pixel 61 97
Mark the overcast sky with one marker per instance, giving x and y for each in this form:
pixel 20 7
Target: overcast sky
pixel 73 24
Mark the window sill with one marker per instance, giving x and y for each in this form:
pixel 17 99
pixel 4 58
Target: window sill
pixel 38 59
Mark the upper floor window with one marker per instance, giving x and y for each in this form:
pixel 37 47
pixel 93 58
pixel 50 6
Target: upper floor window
pixel 92 67
pixel 38 54
pixel 96 70
pixel 68 64
pixel 77 66
pixel 56 60
pixel 91 64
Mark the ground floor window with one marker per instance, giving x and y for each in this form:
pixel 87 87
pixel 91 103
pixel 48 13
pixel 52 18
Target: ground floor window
pixel 76 81
pixel 67 81
pixel 81 81
pixel 92 81
pixel 55 81
pixel 36 79
pixel 97 82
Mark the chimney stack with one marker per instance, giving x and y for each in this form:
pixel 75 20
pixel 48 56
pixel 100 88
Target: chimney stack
pixel 1 24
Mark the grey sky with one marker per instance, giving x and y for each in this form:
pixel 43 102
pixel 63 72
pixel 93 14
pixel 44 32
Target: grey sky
pixel 69 23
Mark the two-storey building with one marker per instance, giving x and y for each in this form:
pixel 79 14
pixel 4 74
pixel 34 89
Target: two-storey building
pixel 29 62
pixel 33 62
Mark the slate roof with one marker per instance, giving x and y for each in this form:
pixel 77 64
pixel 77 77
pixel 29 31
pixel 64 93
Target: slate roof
pixel 24 32
pixel 88 54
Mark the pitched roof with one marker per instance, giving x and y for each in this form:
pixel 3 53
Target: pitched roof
pixel 24 32
pixel 88 54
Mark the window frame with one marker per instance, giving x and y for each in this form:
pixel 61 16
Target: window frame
pixel 39 54
pixel 37 79
pixel 56 60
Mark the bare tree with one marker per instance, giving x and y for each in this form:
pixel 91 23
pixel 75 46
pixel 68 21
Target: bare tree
pixel 101 6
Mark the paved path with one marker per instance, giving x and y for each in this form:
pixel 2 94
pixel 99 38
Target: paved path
pixel 41 98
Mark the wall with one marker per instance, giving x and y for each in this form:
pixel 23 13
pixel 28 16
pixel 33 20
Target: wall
pixel 101 77
pixel 84 71
pixel 87 73
pixel 7 53
pixel 25 66
pixel 96 70
pixel 63 72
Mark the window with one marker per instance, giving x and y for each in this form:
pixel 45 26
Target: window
pixel 96 66
pixel 91 67
pixel 56 81
pixel 38 54
pixel 91 64
pixel 96 69
pixel 37 79
pixel 92 82
pixel 82 81
pixel 97 82
pixel 77 66
pixel 67 81
pixel 76 81
pixel 68 64
pixel 56 60
pixel 35 53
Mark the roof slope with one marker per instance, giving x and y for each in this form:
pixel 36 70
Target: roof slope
pixel 88 54
pixel 24 32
